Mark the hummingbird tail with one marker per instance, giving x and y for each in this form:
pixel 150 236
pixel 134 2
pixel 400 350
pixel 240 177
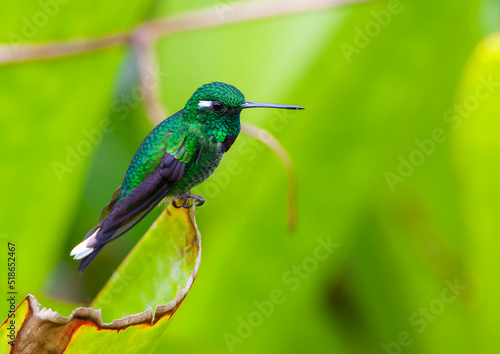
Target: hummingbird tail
pixel 123 215
pixel 82 250
pixel 85 262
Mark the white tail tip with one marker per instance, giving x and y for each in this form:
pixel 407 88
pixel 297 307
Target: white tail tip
pixel 81 250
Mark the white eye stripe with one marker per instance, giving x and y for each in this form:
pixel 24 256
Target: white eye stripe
pixel 203 104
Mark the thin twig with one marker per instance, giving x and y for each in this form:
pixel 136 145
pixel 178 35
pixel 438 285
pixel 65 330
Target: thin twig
pixel 224 13
pixel 266 137
pixel 237 12
pixel 15 53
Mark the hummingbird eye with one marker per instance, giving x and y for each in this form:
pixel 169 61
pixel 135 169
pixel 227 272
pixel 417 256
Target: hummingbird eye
pixel 218 107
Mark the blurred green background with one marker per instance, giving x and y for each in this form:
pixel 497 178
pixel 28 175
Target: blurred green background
pixel 397 157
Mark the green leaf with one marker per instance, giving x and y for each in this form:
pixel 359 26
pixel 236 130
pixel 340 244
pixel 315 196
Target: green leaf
pixel 157 269
pixel 143 294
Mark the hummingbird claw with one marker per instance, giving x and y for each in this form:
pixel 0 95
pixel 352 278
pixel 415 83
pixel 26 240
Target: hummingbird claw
pixel 198 201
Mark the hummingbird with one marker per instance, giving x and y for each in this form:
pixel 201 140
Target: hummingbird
pixel 177 155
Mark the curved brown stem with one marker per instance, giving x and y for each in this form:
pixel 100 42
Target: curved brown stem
pixel 266 137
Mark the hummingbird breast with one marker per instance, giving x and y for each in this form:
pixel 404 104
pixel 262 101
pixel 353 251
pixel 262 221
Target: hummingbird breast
pixel 208 160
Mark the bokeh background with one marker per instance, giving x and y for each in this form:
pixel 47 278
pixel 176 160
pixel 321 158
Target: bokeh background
pixel 397 158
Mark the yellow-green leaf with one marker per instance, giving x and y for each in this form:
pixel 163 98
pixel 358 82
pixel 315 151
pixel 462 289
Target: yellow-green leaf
pixel 140 298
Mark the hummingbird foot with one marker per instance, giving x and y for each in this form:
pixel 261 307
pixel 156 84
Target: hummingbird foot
pixel 197 199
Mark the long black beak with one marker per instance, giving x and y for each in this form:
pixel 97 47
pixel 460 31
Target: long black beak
pixel 248 104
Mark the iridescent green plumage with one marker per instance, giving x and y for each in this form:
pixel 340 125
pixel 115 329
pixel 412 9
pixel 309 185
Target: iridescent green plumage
pixel 182 133
pixel 178 154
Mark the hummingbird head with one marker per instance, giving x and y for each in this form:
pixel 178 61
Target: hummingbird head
pixel 217 101
pixel 217 107
pixel 213 101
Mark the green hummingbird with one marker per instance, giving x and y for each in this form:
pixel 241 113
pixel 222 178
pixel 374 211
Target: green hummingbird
pixel 177 155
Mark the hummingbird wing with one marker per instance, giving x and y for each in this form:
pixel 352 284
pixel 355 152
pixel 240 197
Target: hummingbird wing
pixel 120 215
